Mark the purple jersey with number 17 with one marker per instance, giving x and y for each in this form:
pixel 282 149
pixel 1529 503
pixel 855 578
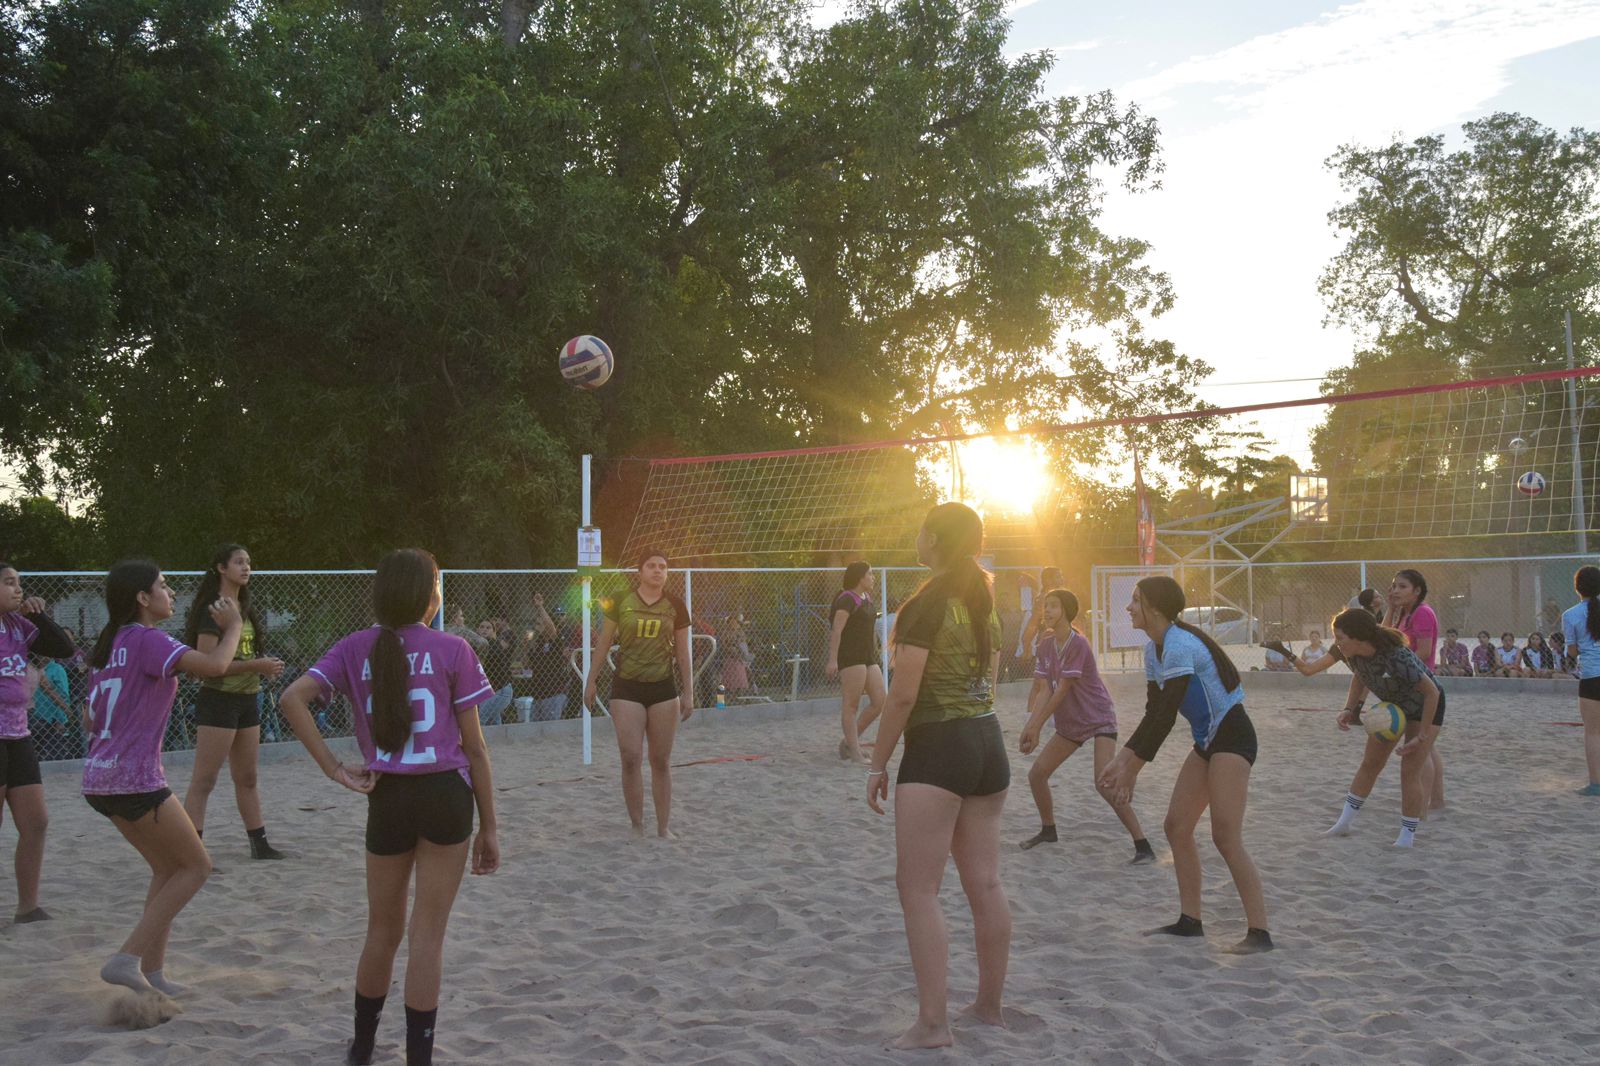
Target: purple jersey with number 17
pixel 130 700
pixel 446 678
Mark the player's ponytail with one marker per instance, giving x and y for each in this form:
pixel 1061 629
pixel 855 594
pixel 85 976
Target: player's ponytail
pixel 958 537
pixel 123 584
pixel 402 595
pixel 1165 596
pixel 1587 583
pixel 1360 625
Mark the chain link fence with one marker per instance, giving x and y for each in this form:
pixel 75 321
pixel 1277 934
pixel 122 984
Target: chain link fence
pixel 763 635
pixel 1241 605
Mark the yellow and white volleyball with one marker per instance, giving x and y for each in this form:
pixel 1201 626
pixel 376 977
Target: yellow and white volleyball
pixel 1384 721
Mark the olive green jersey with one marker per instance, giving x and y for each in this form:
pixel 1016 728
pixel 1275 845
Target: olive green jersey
pixel 246 652
pixel 954 683
pixel 645 634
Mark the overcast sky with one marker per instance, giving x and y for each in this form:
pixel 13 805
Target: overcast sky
pixel 1253 96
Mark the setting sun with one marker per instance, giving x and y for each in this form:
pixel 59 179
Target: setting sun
pixel 1003 477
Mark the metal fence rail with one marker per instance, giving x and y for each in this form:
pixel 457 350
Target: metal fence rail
pixel 1241 604
pixel 759 635
pixel 762 634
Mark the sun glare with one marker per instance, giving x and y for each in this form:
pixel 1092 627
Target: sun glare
pixel 1002 476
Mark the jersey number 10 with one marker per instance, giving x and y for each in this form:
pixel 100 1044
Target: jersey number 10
pixel 648 627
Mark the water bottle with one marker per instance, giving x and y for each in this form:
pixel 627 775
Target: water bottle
pixel 722 695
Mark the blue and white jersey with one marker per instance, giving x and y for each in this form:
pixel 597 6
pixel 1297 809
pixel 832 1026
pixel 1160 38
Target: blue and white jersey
pixel 1206 702
pixel 1575 627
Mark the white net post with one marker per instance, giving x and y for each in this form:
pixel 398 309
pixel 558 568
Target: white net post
pixel 588 627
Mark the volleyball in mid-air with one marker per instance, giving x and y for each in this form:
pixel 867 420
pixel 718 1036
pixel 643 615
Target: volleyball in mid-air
pixel 1531 483
pixel 1384 721
pixel 586 362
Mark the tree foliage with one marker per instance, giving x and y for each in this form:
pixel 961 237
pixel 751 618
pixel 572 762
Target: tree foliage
pixel 294 272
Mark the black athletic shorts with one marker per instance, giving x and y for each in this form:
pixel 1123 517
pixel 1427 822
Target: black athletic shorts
pixel 130 806
pixel 645 693
pixel 227 710
pixel 1589 688
pixel 966 756
pixel 1236 735
pixel 19 763
pixel 857 659
pixel 405 808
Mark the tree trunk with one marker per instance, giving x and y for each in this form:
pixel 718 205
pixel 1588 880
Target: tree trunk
pixel 513 22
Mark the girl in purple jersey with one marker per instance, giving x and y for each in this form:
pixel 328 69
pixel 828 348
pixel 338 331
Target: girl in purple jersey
pixel 25 629
pixel 226 710
pixel 134 677
pixel 416 692
pixel 1068 689
pixel 853 657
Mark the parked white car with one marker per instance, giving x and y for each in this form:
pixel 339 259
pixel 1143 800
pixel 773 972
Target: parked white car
pixel 1225 625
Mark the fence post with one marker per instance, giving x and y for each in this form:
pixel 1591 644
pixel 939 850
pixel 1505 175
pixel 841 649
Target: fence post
pixel 438 619
pixel 688 603
pixel 1363 576
pixel 588 631
pixel 883 624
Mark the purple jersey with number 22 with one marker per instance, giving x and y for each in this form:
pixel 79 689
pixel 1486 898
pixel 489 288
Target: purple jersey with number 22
pixel 17 635
pixel 130 700
pixel 446 678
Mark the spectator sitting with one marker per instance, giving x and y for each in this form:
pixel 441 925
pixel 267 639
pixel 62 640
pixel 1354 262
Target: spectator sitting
pixel 1566 657
pixel 1314 649
pixel 1537 659
pixel 458 626
pixel 736 657
pixel 51 704
pixel 496 659
pixel 1277 661
pixel 1484 660
pixel 1509 657
pixel 546 656
pixel 1454 659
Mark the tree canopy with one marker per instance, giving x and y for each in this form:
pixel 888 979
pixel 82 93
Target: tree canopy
pixel 294 272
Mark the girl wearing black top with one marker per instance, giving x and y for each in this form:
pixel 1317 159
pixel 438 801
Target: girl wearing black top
pixel 227 710
pixel 853 657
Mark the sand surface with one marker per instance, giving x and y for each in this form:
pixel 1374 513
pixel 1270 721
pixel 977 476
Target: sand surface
pixel 771 932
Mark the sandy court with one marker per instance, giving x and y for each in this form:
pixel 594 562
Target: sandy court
pixel 771 932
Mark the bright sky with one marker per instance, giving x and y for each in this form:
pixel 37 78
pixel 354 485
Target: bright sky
pixel 1252 97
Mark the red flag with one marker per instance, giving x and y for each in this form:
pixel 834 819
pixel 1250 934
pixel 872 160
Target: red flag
pixel 1146 522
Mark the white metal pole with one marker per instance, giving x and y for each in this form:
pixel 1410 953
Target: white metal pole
pixel 883 624
pixel 1579 510
pixel 588 629
pixel 688 603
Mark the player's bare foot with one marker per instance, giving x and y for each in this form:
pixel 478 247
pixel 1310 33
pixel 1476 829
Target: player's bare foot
pixel 666 834
pixel 986 1015
pixel 922 1035
pixel 638 829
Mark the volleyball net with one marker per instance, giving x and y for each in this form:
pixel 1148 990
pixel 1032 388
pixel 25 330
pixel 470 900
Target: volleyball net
pixel 1492 457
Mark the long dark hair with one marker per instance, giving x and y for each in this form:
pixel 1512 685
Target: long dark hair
pixel 1165 596
pixel 401 592
pixel 854 573
pixel 1360 625
pixel 1587 583
pixel 210 588
pixel 960 535
pixel 1067 601
pixel 124 582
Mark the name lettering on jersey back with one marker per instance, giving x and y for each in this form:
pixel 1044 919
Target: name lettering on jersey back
pixel 420 664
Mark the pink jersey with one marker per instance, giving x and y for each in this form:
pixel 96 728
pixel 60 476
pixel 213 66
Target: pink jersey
pixel 446 678
pixel 1086 710
pixel 1422 625
pixel 17 635
pixel 130 700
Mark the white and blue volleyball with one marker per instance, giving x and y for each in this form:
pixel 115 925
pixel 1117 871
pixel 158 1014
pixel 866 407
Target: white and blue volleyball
pixel 586 362
pixel 1384 721
pixel 1531 483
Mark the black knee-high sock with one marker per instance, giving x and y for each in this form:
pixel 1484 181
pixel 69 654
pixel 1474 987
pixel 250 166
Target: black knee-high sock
pixel 419 1036
pixel 368 1010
